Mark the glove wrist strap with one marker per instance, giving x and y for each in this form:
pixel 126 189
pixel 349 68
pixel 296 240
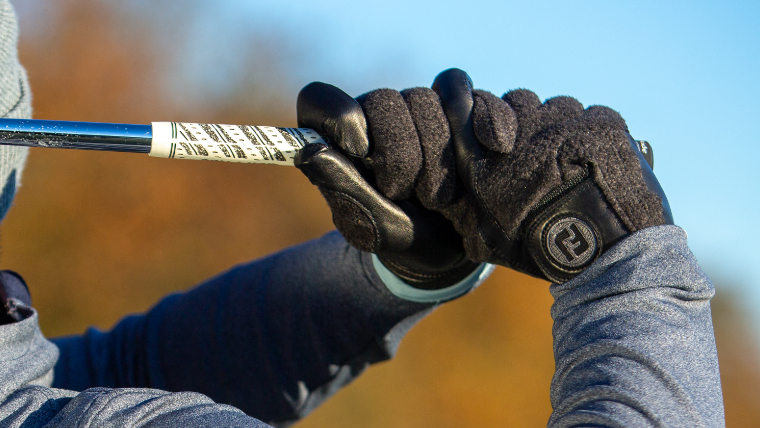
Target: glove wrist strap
pixel 572 232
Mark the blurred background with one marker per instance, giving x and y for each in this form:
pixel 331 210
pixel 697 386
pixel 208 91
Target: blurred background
pixel 101 235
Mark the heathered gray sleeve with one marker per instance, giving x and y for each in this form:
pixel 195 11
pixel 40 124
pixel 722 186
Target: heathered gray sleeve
pixel 633 339
pixel 15 102
pixel 143 408
pixel 35 406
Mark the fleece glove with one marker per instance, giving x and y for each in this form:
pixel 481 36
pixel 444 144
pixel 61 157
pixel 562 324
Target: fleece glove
pixel 543 188
pixel 548 187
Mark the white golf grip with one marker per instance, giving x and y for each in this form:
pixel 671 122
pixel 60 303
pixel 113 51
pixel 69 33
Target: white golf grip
pixel 229 143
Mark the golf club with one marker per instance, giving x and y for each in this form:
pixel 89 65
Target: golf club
pixel 175 140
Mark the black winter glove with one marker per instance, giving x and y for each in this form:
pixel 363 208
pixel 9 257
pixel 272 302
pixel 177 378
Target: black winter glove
pixel 547 187
pixel 367 175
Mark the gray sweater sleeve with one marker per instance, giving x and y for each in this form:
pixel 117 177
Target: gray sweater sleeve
pixel 15 102
pixel 633 339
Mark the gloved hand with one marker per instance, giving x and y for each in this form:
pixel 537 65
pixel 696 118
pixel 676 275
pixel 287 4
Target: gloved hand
pixel 367 175
pixel 548 187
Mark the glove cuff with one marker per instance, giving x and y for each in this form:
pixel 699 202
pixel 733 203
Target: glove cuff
pixel 428 280
pixel 400 288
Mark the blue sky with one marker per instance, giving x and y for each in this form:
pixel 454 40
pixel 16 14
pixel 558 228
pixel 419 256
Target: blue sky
pixel 684 75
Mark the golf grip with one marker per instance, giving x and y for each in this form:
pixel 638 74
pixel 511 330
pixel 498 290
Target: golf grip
pixel 229 143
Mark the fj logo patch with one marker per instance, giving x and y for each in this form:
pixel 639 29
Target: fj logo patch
pixel 571 242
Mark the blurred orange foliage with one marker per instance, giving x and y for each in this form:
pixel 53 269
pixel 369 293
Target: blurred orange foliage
pixel 100 235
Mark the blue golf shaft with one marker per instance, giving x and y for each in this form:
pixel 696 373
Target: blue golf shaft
pixel 175 140
pixel 115 137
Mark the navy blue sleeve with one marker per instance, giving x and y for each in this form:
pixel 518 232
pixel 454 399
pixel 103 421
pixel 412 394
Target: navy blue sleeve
pixel 273 337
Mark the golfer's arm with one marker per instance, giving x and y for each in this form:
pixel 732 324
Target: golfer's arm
pixel 633 339
pixel 274 337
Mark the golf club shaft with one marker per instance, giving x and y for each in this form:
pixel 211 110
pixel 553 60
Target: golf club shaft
pixel 176 140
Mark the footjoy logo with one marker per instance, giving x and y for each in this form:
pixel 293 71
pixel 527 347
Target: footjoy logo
pixel 571 242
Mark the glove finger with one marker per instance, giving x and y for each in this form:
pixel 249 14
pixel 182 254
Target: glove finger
pixel 597 116
pixel 525 104
pixel 437 185
pixel 597 136
pixel 559 109
pixel 522 101
pixel 494 122
pixel 533 116
pixel 368 221
pixel 396 155
pixel 335 115
pixel 454 88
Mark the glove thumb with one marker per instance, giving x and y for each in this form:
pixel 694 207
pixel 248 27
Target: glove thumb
pixel 368 220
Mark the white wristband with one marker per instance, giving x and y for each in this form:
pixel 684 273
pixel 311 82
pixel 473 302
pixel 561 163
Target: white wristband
pixel 401 289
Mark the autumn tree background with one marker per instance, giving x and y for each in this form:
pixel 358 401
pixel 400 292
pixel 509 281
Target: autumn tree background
pixel 101 235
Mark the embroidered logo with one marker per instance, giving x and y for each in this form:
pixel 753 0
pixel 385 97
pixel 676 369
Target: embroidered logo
pixel 571 242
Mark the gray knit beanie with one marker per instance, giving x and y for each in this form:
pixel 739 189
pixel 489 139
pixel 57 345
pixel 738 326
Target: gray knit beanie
pixel 15 102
